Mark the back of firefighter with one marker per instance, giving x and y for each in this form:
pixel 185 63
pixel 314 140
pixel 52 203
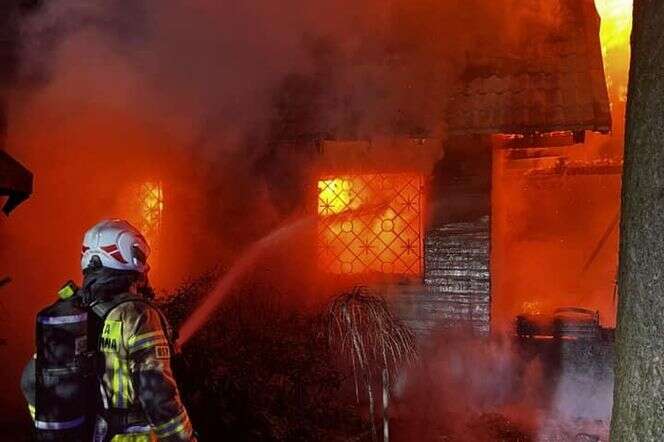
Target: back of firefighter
pixel 139 395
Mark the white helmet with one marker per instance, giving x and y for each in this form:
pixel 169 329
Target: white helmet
pixel 118 244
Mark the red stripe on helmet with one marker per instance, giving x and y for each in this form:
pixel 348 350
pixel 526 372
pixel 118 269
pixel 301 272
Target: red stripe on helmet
pixel 114 252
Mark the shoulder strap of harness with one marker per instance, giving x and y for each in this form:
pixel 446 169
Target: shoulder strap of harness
pixel 101 309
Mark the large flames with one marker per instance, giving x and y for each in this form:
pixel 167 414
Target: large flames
pixel 382 232
pixel 614 34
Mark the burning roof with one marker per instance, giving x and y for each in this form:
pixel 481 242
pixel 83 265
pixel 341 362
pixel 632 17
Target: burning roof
pixel 553 80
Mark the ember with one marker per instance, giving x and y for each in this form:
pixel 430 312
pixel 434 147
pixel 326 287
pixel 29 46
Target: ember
pixel 386 241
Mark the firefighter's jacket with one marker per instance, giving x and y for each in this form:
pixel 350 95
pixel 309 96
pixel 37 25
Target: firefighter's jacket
pixel 138 375
pixel 136 379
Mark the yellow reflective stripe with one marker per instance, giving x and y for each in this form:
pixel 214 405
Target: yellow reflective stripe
pixel 142 437
pixel 115 381
pixel 127 384
pixel 135 338
pixel 179 418
pixel 148 344
pixel 31 409
pixel 120 394
pixel 146 340
pixel 178 424
pixel 180 429
pixel 118 383
pixel 184 428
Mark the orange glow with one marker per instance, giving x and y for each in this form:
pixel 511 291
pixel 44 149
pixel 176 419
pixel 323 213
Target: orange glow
pixel 545 230
pixel 387 240
pixel 615 34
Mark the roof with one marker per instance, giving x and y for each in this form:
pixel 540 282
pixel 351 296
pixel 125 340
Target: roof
pixel 552 81
pixel 15 181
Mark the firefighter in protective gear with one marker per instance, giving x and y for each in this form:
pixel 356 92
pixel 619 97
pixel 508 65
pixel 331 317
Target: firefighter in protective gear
pixel 139 395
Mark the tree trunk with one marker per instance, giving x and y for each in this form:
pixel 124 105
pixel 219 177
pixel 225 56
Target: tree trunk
pixel 638 408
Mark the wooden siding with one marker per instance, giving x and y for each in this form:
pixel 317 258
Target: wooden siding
pixel 456 289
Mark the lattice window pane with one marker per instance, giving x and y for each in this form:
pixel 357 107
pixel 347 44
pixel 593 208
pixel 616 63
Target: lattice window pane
pixel 152 209
pixel 383 236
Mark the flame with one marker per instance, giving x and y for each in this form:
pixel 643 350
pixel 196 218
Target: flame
pixel 531 307
pixel 385 240
pixel 335 196
pixel 615 34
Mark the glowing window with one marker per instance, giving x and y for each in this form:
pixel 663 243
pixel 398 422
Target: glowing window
pixel 379 224
pixel 151 209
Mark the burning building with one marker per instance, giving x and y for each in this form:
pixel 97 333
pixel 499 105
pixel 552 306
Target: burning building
pixel 453 157
pixel 401 146
pixel 432 229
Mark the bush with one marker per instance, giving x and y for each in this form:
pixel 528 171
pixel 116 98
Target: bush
pixel 260 371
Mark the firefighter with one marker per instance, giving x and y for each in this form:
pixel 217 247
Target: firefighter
pixel 139 396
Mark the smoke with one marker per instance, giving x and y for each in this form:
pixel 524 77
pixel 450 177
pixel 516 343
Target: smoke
pixel 583 396
pixel 463 380
pixel 221 101
pixel 228 83
pixel 503 388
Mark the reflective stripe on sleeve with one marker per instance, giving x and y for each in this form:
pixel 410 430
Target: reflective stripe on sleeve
pixel 179 424
pixel 66 425
pixel 146 340
pixel 31 409
pixel 134 339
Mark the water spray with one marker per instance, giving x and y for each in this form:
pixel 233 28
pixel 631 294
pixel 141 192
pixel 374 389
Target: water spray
pixel 248 259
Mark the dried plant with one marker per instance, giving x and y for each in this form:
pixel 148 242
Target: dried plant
pixel 362 330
